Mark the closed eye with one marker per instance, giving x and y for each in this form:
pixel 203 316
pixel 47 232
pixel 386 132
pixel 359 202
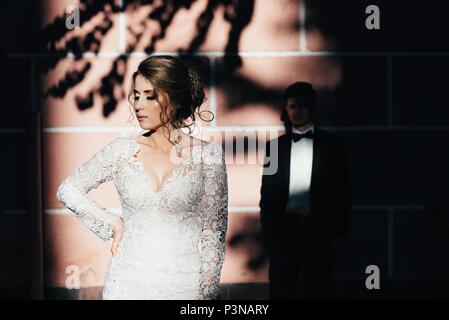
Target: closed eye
pixel 135 98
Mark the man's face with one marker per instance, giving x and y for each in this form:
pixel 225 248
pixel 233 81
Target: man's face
pixel 298 114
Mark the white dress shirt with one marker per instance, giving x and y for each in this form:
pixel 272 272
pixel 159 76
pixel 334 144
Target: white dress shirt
pixel 301 158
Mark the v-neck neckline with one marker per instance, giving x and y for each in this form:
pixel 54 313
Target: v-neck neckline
pixel 166 177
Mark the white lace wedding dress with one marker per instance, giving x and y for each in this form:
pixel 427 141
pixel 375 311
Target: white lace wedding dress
pixel 173 245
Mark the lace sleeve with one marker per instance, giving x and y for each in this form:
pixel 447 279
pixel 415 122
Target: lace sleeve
pixel 72 192
pixel 214 209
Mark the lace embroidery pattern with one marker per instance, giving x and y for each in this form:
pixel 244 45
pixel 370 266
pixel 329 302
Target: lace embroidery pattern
pixel 173 246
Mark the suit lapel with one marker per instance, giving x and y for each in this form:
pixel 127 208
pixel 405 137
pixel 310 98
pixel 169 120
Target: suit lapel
pixel 316 157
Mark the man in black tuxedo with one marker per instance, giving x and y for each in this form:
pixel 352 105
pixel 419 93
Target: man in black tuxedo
pixel 306 204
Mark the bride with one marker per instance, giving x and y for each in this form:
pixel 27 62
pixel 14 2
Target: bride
pixel 169 241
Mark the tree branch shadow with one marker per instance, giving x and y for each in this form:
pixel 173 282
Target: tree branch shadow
pixel 237 12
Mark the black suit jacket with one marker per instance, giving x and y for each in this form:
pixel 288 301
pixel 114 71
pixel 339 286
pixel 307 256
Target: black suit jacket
pixel 330 190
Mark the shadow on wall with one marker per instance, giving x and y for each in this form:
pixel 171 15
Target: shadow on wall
pixel 238 14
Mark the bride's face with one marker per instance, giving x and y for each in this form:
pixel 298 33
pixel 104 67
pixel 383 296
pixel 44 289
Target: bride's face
pixel 147 105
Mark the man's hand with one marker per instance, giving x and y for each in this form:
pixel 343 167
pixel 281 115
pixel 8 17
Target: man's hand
pixel 117 234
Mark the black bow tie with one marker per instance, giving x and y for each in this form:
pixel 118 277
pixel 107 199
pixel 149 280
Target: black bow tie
pixel 298 136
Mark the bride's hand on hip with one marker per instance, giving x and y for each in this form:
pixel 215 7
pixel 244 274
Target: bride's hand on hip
pixel 117 234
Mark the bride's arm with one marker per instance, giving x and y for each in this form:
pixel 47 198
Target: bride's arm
pixel 214 209
pixel 72 192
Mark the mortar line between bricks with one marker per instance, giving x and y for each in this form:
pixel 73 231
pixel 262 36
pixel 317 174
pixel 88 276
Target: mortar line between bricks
pixel 232 210
pixel 269 54
pixel 390 91
pixel 120 129
pixel 33 84
pixel 390 243
pixel 67 212
pixel 302 26
pixel 13 130
pixel 121 29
